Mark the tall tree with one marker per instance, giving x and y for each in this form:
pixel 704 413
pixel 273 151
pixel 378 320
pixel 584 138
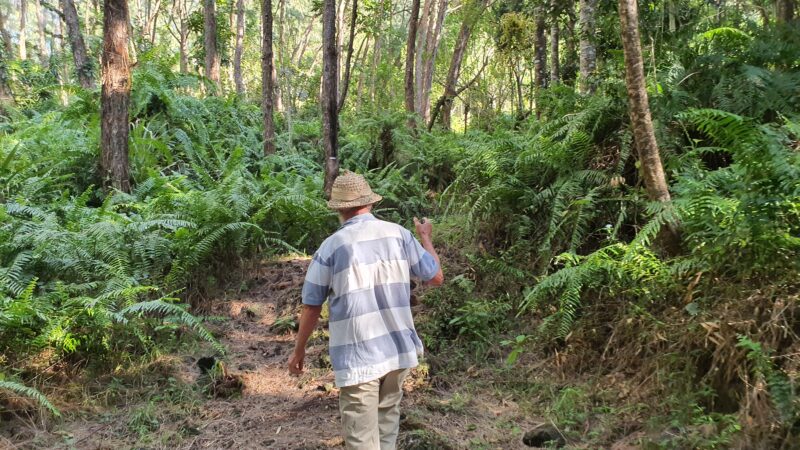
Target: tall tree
pixel 328 100
pixel 23 27
pixel 433 38
pixel 376 50
pixel 554 43
pixel 346 79
pixel 464 33
pixel 212 59
pixel 784 10
pixel 588 51
pixel 115 95
pixel 41 24
pixel 179 28
pixel 267 81
pixel 540 50
pixel 239 50
pixel 5 54
pixel 639 109
pixel 83 65
pixel 413 22
pixel 5 35
pixel 570 66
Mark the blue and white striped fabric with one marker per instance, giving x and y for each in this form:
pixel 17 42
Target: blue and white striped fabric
pixel 364 271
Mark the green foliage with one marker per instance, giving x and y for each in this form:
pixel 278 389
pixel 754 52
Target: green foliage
pixel 782 389
pixel 624 273
pixel 29 392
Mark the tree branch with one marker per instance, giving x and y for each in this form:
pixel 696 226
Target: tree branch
pixel 440 103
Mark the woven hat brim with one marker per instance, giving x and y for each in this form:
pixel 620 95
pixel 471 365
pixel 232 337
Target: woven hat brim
pixel 361 201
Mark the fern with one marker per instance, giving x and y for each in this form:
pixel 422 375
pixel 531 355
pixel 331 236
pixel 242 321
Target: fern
pixel 29 392
pixel 173 312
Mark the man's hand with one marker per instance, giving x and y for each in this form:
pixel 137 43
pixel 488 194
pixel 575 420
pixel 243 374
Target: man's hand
pixel 424 228
pixel 296 362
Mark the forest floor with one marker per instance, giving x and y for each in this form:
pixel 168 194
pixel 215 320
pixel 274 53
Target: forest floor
pixel 256 404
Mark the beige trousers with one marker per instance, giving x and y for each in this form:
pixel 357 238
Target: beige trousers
pixel 371 412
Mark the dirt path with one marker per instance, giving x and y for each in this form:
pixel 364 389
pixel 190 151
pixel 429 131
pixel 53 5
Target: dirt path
pixel 263 407
pixel 275 410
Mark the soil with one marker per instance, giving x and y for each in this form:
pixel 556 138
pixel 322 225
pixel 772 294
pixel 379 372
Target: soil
pixel 254 403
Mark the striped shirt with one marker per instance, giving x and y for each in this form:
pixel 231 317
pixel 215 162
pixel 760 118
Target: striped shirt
pixel 364 271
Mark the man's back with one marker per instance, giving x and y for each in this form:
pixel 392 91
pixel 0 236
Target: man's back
pixel 364 271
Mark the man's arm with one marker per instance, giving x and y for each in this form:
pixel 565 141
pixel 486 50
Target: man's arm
pixel 308 322
pixel 424 230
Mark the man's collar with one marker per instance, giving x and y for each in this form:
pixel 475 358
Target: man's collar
pixel 358 218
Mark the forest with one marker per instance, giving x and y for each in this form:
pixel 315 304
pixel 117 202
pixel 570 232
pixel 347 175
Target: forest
pixel 614 188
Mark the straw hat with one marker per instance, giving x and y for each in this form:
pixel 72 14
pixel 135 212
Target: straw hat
pixel 351 190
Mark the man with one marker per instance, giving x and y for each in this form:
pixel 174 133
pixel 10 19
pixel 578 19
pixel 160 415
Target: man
pixel 364 271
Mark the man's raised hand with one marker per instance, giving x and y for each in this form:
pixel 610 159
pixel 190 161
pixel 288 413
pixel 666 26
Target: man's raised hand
pixel 424 228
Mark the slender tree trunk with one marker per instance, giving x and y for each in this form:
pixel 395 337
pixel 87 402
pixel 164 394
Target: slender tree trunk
pixel 784 11
pixel 346 79
pixel 5 91
pixel 182 44
pixel 23 26
pixel 422 33
pixel 267 82
pixel 588 55
pixel 432 48
pixel 571 58
pixel 376 52
pixel 413 22
pixel 673 21
pixel 328 101
pixel 361 62
pixel 239 50
pixel 83 65
pixel 210 40
pixel 115 95
pixel 44 58
pixel 639 109
pixel 453 73
pixel 540 51
pixel 7 47
pixel 554 60
pixel 341 13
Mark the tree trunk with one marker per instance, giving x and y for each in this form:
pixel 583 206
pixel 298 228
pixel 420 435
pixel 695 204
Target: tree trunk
pixel 6 36
pixel 431 49
pixel 422 33
pixel 341 11
pixel 83 65
pixel 540 51
pixel 44 58
pixel 5 91
pixel 267 82
pixel 639 109
pixel 239 50
pixel 376 52
pixel 182 44
pixel 588 54
pixel 673 21
pixel 455 64
pixel 784 11
pixel 115 95
pixel 411 41
pixel 210 41
pixel 328 100
pixel 361 62
pixel 554 42
pixel 346 79
pixel 23 25
pixel 571 58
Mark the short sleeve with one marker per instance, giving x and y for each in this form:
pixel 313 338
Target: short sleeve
pixel 421 262
pixel 317 283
